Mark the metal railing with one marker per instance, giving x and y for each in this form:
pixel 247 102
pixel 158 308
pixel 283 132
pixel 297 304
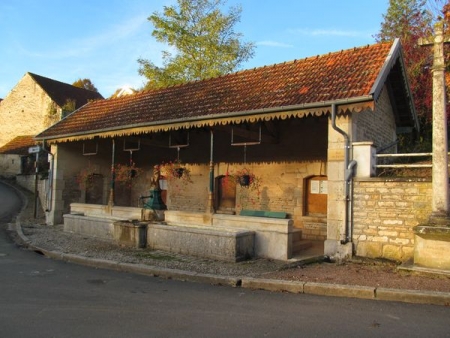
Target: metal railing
pixel 404 165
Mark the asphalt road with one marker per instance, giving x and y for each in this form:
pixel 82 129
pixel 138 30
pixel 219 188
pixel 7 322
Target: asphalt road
pixel 40 297
pixel 10 202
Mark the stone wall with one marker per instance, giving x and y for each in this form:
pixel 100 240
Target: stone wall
pixel 376 126
pixel 280 188
pixel 28 182
pixel 10 165
pixel 26 111
pixel 384 213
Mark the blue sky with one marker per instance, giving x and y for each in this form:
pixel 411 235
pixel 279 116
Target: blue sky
pixel 102 39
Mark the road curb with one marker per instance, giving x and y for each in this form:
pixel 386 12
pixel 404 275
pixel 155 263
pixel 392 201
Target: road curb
pixel 273 285
pixel 350 291
pixel 340 290
pixel 413 296
pixel 321 289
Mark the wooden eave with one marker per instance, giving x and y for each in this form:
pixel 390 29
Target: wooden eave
pixel 279 113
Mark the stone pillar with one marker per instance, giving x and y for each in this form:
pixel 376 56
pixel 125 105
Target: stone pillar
pixel 440 157
pixel 336 212
pixel 440 151
pixel 432 240
pixel 364 155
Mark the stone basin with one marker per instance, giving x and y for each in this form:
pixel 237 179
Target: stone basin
pixel 432 246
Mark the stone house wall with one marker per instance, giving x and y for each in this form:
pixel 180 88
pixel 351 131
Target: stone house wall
pixel 30 105
pixel 384 213
pixel 376 126
pixel 280 188
pixel 10 165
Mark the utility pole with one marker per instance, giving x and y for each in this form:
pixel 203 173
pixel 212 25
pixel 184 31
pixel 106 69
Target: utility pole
pixel 440 149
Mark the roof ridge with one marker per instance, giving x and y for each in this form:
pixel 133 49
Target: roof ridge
pixel 61 92
pixel 38 77
pixel 243 71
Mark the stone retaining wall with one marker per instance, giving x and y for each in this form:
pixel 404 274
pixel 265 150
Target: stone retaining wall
pixel 384 214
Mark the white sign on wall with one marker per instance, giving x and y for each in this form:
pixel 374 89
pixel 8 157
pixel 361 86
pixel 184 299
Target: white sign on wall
pixel 319 187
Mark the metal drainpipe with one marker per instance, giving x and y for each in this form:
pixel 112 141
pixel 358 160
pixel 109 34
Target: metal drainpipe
pixel 50 178
pixel 349 167
pixel 349 187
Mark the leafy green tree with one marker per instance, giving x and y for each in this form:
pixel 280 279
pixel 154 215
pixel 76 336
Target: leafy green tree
pixel 203 39
pixel 86 84
pixel 68 107
pixel 409 20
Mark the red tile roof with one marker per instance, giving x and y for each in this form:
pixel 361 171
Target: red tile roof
pixel 18 145
pixel 336 76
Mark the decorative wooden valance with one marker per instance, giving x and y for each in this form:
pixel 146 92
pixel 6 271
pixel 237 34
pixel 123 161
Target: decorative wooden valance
pixel 165 126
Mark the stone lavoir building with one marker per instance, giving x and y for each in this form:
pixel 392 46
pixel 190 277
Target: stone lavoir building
pixel 293 126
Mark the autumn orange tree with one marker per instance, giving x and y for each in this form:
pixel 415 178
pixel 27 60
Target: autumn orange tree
pixel 409 20
pixel 86 84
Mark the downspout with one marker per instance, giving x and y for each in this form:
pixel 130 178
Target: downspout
pixel 49 193
pixel 349 170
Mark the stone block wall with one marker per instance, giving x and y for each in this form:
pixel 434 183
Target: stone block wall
pixel 26 111
pixel 280 188
pixel 384 213
pixel 28 182
pixel 376 126
pixel 314 228
pixel 10 165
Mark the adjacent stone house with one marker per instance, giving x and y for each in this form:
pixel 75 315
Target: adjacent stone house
pixel 291 126
pixel 14 156
pixel 37 102
pixel 34 104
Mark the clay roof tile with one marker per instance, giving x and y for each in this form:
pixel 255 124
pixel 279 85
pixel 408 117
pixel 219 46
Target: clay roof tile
pixel 339 75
